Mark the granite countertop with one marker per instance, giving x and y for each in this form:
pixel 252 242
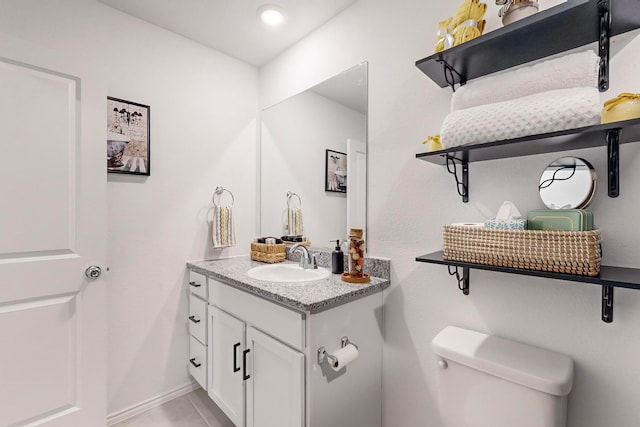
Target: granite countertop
pixel 310 297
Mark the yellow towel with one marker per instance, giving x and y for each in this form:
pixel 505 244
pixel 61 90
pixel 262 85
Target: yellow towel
pixel 222 228
pixel 466 25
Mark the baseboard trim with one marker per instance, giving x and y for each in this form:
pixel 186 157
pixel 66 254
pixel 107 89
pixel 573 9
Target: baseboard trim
pixel 134 410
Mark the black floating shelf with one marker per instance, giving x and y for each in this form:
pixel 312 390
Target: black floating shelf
pixel 565 140
pixel 564 27
pixel 609 278
pixel 619 277
pixel 609 135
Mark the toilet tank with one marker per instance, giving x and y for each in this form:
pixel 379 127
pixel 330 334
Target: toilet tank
pixel 488 381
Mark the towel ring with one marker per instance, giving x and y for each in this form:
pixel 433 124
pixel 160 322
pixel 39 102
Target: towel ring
pixel 289 196
pixel 219 191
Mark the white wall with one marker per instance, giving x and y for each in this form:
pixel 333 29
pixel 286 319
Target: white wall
pixel 295 135
pixel 410 200
pixel 203 134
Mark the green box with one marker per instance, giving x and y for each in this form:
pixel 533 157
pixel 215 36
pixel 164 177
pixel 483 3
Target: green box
pixel 560 219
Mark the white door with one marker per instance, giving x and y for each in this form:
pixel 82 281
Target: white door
pixel 52 227
pixel 275 391
pixel 356 184
pixel 227 364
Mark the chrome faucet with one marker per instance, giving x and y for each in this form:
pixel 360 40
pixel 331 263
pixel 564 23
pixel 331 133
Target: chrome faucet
pixel 307 261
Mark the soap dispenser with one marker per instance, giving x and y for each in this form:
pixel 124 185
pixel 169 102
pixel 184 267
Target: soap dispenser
pixel 337 259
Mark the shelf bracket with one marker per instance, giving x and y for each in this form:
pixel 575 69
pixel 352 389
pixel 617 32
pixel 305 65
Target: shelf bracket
pixel 613 162
pixel 462 185
pixel 604 13
pixel 607 304
pixel 463 281
pixel 449 77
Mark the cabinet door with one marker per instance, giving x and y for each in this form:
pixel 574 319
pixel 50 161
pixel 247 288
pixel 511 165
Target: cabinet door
pixel 275 390
pixel 226 346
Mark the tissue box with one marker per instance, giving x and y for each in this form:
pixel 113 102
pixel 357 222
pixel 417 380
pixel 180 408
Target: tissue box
pixel 560 219
pixel 506 224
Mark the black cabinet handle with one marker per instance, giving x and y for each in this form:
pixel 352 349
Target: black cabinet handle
pixel 236 368
pixel 193 319
pixel 195 284
pixel 245 376
pixel 193 362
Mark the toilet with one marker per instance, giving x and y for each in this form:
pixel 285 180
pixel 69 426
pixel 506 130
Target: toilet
pixel 488 381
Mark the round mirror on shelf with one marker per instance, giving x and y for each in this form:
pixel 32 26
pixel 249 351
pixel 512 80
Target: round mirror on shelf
pixel 567 183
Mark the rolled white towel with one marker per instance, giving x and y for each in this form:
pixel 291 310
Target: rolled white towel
pixel 531 115
pixel 574 70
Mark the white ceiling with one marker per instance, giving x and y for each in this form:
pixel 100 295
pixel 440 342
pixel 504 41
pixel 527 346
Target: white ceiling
pixel 232 26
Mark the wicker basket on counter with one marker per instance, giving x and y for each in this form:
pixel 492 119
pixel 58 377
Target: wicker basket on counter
pixel 571 252
pixel 268 252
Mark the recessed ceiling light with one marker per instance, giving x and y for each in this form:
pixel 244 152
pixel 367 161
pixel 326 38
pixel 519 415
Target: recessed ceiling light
pixel 271 15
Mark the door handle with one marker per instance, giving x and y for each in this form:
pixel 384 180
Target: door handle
pixel 195 284
pixel 236 368
pixel 193 319
pixel 93 272
pixel 245 376
pixel 193 362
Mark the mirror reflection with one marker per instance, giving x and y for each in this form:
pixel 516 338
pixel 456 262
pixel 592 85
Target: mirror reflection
pixel 567 183
pixel 314 145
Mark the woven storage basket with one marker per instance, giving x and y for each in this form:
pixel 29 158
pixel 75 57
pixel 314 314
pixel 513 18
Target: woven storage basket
pixel 268 253
pixel 572 252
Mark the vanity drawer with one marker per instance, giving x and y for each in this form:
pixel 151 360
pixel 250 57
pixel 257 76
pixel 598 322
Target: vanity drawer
pixel 198 318
pixel 198 284
pixel 198 361
pixel 280 322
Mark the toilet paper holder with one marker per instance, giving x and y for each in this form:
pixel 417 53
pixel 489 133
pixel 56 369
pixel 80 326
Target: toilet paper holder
pixel 325 357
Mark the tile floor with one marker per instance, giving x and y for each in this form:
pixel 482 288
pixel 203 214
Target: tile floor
pixel 191 410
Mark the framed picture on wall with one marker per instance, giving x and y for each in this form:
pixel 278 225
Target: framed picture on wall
pixel 335 172
pixel 128 143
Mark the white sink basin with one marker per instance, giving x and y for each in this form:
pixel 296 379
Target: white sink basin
pixel 290 273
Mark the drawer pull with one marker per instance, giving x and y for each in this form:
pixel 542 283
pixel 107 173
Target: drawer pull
pixel 193 319
pixel 236 368
pixel 193 362
pixel 245 376
pixel 195 284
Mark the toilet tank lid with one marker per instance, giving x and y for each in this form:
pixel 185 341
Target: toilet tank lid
pixel 523 364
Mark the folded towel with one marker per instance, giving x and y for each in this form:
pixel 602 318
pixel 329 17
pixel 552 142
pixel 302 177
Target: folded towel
pixel 574 70
pixel 276 240
pixel 531 115
pixel 222 229
pixel 294 222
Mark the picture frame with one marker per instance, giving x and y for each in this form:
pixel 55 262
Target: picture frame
pixel 128 137
pixel 335 171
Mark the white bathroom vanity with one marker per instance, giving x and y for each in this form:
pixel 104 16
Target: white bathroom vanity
pixel 256 347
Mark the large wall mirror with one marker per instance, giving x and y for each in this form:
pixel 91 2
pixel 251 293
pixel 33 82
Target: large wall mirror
pixel 314 145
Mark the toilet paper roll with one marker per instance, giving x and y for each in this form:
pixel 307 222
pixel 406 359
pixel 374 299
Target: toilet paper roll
pixel 344 356
pixel 468 224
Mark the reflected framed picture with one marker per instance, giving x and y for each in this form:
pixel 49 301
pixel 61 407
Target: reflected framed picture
pixel 128 143
pixel 335 172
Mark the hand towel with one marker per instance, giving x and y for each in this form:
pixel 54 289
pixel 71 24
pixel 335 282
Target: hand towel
pixel 531 115
pixel 222 228
pixel 294 221
pixel 574 70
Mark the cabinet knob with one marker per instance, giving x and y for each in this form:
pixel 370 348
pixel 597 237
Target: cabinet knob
pixel 195 284
pixel 193 319
pixel 193 362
